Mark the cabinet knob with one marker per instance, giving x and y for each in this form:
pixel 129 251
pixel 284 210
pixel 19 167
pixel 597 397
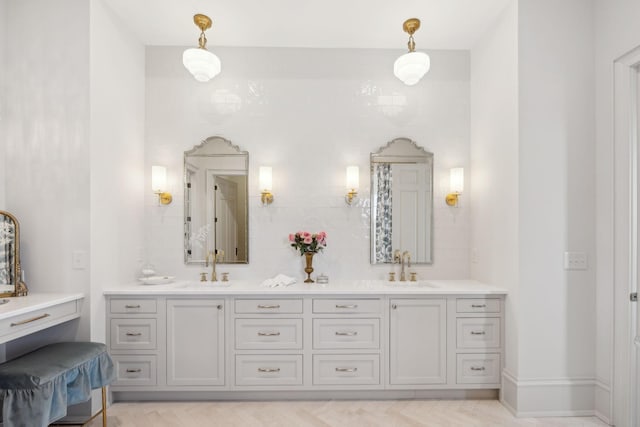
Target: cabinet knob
pixel 219 306
pixel 394 306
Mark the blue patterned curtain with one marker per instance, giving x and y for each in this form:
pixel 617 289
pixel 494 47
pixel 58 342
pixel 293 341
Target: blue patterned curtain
pixel 383 244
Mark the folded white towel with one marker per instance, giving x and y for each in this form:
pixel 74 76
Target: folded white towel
pixel 279 280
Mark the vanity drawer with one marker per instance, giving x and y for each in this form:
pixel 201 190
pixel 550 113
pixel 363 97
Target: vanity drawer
pixel 269 306
pixel 38 319
pixel 133 334
pixel 350 306
pixel 333 369
pixel 474 332
pixel 268 334
pixel 346 333
pixel 132 305
pixel 135 370
pixel 478 368
pixel 478 305
pixel 273 370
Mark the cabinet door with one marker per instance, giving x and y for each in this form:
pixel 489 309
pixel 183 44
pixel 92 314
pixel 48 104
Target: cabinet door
pixel 195 342
pixel 418 338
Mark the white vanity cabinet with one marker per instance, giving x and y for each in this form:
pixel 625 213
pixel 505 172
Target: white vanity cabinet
pixel 311 341
pixel 417 341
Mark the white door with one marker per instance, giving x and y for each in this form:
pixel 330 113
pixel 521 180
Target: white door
pixel 226 212
pixel 409 205
pixel 635 386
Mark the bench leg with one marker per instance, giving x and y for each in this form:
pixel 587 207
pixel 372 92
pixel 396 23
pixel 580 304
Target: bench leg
pixel 104 407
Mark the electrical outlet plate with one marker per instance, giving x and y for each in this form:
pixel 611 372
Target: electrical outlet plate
pixel 575 261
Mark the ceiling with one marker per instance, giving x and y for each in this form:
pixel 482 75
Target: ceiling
pixel 446 24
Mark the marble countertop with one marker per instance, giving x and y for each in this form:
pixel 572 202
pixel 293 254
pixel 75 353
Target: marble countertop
pixel 16 306
pixel 335 287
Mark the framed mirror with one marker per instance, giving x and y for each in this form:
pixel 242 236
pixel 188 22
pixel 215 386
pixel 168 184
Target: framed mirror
pixel 402 202
pixel 216 205
pixel 11 283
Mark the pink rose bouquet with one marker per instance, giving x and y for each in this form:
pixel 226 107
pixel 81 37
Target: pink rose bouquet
pixel 304 241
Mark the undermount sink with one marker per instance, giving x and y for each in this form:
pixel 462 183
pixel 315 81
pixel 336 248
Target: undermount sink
pixel 418 284
pixel 203 285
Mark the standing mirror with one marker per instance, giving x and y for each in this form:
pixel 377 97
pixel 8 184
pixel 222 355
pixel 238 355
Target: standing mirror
pixel 216 203
pixel 11 283
pixel 402 202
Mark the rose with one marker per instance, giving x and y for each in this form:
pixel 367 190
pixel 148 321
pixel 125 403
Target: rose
pixel 292 237
pixel 308 240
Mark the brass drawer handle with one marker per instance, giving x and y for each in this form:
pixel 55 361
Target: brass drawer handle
pixel 134 334
pixel 478 332
pixel 268 369
pixel 268 306
pixel 134 371
pixel 33 319
pixel 478 305
pixel 476 368
pixel 269 334
pixel 346 305
pixel 346 369
pixel 347 333
pixel 132 306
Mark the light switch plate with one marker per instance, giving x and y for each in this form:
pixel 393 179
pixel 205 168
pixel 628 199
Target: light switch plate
pixel 79 260
pixel 575 261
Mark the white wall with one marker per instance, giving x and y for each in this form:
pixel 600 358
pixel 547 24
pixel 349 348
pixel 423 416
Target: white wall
pixel 308 113
pixel 3 38
pixel 617 33
pixel 47 140
pixel 117 71
pixel 494 170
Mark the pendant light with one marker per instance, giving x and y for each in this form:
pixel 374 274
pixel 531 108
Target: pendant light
pixel 201 63
pixel 411 66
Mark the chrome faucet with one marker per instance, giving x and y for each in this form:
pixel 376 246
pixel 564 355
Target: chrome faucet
pixel 406 255
pixel 213 257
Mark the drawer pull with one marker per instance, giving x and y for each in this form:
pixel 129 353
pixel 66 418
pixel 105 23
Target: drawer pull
pixel 346 369
pixel 346 305
pixel 347 333
pixel 134 334
pixel 269 334
pixel 33 319
pixel 478 305
pixel 478 332
pixel 132 306
pixel 268 369
pixel 477 368
pixel 134 371
pixel 268 306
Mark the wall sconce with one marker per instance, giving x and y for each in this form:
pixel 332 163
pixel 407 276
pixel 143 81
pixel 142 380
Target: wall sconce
pixel 353 184
pixel 456 186
pixel 201 63
pixel 265 182
pixel 159 184
pixel 411 66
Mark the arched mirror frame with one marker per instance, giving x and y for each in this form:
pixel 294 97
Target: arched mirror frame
pixel 402 153
pixel 10 253
pixel 223 160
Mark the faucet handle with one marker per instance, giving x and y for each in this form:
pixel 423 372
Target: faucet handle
pixel 413 276
pixel 225 277
pixel 392 276
pixel 203 276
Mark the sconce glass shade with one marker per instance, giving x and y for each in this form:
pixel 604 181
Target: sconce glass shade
pixel 457 180
pixel 201 63
pixel 158 179
pixel 265 180
pixel 353 178
pixel 411 67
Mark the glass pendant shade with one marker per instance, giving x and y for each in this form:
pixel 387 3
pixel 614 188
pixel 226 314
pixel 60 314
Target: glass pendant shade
pixel 411 67
pixel 201 63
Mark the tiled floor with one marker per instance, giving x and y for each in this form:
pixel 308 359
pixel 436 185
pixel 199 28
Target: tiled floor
pixel 366 413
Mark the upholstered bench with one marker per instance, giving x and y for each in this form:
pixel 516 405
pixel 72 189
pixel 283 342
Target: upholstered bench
pixel 36 388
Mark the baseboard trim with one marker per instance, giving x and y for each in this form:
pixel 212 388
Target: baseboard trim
pixel 549 397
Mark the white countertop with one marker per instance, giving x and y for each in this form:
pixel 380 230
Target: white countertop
pixel 335 287
pixel 34 301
